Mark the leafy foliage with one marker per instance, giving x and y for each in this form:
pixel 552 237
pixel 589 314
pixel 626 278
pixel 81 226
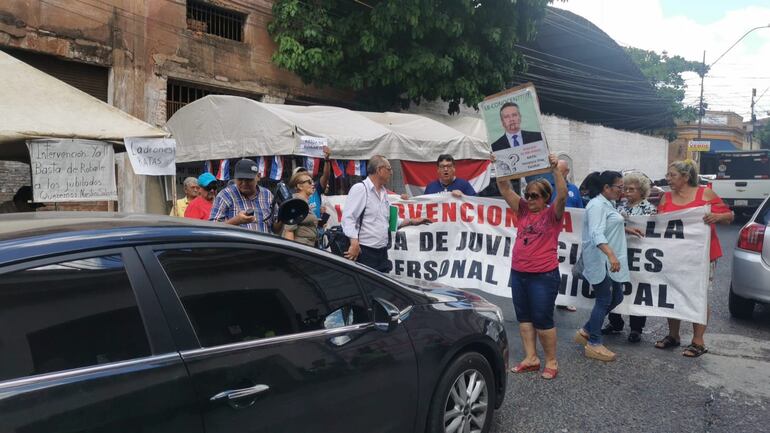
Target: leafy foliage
pixel 665 74
pixel 763 135
pixel 397 51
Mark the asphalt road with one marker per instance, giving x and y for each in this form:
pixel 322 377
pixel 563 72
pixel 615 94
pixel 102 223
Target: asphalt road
pixel 648 389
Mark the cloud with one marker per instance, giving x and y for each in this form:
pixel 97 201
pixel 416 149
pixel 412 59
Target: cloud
pixel 642 24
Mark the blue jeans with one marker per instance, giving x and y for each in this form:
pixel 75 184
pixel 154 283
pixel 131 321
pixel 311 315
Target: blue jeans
pixel 609 294
pixel 534 296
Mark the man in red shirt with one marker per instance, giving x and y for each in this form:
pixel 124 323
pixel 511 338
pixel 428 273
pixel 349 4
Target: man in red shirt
pixel 200 207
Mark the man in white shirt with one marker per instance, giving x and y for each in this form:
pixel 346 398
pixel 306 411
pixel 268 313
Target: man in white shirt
pixel 366 215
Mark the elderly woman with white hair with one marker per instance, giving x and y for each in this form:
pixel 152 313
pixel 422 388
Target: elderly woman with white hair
pixel 635 192
pixel 190 192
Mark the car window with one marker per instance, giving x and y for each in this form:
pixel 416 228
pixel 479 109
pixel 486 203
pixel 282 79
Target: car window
pixel 233 294
pixel 67 315
pixel 375 289
pixel 763 217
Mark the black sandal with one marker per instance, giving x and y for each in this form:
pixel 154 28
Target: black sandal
pixel 666 343
pixel 694 350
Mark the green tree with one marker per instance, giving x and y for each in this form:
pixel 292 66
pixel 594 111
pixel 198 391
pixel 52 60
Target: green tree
pixel 665 74
pixel 396 51
pixel 763 135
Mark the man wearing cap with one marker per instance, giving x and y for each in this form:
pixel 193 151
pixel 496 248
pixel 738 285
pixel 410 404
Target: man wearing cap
pixel 244 203
pixel 200 207
pixel 190 192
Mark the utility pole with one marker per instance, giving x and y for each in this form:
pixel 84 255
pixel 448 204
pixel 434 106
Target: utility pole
pixel 753 119
pixel 700 106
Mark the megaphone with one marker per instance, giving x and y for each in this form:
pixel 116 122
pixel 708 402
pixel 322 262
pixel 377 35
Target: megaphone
pixel 290 210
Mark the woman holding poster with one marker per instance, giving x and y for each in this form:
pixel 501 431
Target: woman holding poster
pixel 535 275
pixel 685 193
pixel 604 259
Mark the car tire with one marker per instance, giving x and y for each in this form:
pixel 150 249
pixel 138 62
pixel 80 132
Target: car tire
pixel 740 308
pixel 451 404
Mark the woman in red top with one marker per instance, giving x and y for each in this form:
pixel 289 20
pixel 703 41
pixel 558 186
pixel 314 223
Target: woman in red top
pixel 685 193
pixel 535 275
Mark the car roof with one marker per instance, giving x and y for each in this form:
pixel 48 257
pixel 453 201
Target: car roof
pixel 30 224
pixel 42 233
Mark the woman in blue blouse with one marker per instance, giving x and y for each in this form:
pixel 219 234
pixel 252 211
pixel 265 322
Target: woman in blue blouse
pixel 604 258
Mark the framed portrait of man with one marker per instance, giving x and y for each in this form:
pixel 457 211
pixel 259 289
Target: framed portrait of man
pixel 514 132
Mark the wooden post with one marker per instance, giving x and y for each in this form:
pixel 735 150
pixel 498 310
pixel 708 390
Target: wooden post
pixel 173 194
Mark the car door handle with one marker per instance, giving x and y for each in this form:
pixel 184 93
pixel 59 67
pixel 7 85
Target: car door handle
pixel 235 394
pixel 741 183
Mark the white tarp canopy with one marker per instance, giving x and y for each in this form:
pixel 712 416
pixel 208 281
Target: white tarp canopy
pixel 223 127
pixel 34 104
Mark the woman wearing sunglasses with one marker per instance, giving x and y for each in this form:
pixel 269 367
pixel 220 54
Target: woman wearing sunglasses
pixel 535 275
pixel 604 258
pixel 306 232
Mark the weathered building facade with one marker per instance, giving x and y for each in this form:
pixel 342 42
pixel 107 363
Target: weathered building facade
pixel 151 57
pixel 724 129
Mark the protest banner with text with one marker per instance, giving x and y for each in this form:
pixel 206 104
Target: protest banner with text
pixel 65 170
pixel 470 242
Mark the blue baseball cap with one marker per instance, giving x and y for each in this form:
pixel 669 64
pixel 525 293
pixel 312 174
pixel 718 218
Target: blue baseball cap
pixel 206 179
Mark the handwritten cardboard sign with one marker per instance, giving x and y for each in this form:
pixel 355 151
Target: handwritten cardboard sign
pixel 72 170
pixel 152 156
pixel 312 146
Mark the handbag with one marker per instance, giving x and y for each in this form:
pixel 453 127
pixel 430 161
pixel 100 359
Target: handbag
pixel 578 267
pixel 335 239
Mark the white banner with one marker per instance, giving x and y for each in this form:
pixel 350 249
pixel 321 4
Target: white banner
pixel 152 156
pixel 311 146
pixel 72 170
pixel 470 242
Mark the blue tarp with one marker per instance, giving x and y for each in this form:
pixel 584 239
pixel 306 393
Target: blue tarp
pixel 722 146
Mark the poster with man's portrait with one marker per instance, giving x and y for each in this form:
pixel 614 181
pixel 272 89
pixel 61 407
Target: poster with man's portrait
pixel 512 119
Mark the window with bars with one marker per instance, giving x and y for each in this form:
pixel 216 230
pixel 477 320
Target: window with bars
pixel 205 18
pixel 180 93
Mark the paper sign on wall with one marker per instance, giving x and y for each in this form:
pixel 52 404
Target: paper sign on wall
pixel 72 170
pixel 312 146
pixel 152 156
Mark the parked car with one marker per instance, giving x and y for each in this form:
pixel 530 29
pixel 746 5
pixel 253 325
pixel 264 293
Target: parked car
pixel 118 323
pixel 751 265
pixel 742 179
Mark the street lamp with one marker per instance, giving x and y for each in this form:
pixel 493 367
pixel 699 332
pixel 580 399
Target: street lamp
pixel 703 73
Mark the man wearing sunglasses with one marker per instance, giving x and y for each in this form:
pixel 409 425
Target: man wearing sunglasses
pixel 447 181
pixel 200 207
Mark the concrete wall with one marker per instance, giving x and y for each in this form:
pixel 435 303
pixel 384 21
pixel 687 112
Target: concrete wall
pixel 145 43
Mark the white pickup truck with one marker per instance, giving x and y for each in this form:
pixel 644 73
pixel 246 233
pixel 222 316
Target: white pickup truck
pixel 743 179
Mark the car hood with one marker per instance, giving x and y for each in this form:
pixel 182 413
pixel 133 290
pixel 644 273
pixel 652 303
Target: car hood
pixel 435 292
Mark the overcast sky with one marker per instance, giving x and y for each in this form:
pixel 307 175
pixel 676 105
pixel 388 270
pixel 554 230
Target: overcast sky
pixel 686 28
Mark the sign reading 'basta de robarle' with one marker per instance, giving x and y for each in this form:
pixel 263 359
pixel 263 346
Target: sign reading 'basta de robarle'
pixel 470 242
pixel 65 170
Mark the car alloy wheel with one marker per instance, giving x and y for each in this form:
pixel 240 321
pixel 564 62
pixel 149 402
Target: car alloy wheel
pixel 465 397
pixel 467 403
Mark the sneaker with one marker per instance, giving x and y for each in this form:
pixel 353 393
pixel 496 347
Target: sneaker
pixel 610 330
pixel 581 337
pixel 599 352
pixel 634 337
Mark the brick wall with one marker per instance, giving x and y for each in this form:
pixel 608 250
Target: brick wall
pixel 14 175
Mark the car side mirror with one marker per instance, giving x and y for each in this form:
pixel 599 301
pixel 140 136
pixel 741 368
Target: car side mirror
pixel 387 316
